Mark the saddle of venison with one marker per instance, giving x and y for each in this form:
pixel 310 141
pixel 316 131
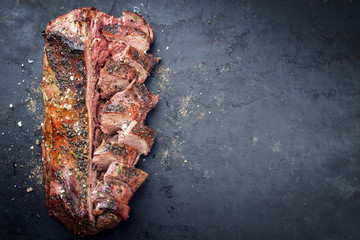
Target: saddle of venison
pixel 95 104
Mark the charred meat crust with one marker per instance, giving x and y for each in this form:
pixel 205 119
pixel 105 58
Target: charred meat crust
pixel 92 63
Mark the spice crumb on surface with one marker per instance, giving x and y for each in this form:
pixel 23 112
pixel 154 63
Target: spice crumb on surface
pixel 37 142
pixel 30 189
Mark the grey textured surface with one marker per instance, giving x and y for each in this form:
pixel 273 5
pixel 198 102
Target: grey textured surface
pixel 258 126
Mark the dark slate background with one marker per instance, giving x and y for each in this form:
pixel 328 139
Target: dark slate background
pixel 257 129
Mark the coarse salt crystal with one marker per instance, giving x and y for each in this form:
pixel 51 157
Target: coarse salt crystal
pixel 136 10
pixel 71 78
pixel 11 106
pixel 20 124
pixel 32 147
pixel 167 48
pixel 67 106
pixel 30 61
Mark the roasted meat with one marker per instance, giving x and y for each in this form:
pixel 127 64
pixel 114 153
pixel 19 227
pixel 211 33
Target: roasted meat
pixel 132 104
pixel 95 104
